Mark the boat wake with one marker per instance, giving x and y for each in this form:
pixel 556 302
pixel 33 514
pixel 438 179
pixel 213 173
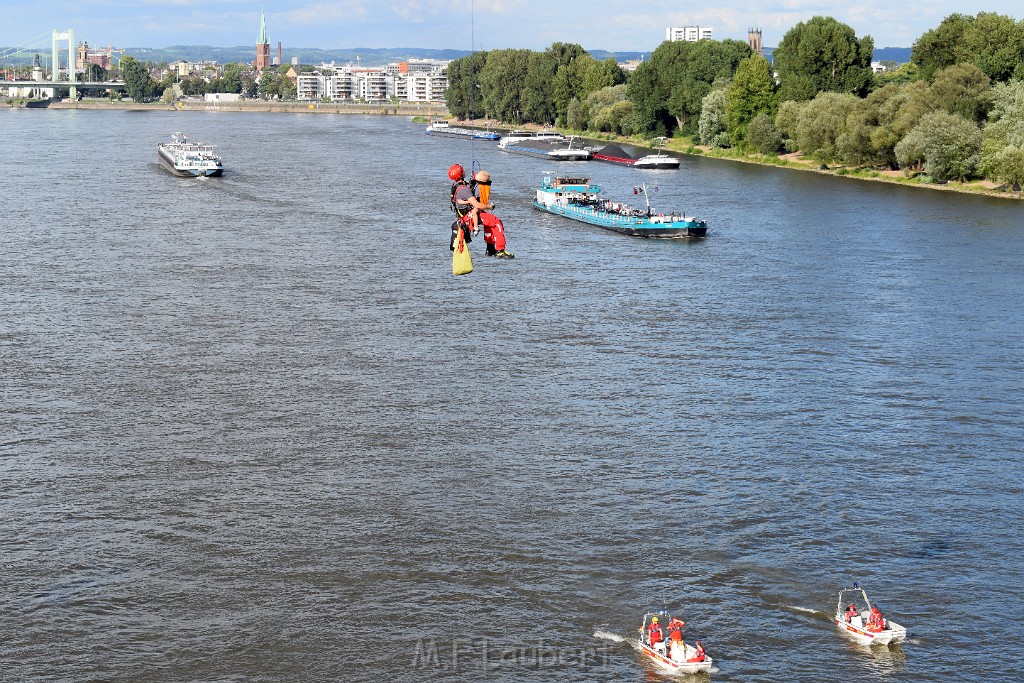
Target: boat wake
pixel 816 613
pixel 805 609
pixel 608 635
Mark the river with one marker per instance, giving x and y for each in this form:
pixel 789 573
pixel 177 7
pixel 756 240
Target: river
pixel 253 429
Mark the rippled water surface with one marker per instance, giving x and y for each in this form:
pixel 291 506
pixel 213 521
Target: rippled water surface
pixel 254 430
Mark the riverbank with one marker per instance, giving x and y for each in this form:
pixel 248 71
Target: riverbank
pixel 795 161
pixel 290 107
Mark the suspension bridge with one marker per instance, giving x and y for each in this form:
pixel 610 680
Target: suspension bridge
pixel 45 82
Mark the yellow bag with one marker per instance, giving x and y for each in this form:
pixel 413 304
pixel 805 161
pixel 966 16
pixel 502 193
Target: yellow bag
pixel 462 262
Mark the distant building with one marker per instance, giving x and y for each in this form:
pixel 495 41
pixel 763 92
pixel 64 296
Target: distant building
pixel 263 46
pixel 631 64
pixel 755 42
pixel 878 68
pixel 104 57
pixel 413 81
pixel 690 34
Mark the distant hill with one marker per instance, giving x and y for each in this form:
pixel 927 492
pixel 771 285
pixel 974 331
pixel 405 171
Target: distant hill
pixel 900 55
pixel 314 55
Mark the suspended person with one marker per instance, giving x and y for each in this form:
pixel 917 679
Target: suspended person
pixel 471 211
pixel 494 229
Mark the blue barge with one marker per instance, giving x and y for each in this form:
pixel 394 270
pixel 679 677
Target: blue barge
pixel 579 199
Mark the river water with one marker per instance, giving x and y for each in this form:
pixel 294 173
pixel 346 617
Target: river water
pixel 253 429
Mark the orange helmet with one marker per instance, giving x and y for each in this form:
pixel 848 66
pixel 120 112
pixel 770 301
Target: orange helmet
pixel 456 172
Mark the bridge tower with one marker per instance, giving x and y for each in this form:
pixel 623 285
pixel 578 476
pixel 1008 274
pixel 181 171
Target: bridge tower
pixel 69 36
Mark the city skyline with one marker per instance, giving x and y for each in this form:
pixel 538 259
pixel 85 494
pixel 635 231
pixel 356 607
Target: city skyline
pixel 461 25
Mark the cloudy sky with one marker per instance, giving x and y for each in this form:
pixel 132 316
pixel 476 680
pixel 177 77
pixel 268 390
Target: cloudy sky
pixel 615 25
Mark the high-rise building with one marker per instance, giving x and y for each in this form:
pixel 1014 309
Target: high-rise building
pixel 688 33
pixel 263 46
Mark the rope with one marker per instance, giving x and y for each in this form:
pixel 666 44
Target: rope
pixel 472 89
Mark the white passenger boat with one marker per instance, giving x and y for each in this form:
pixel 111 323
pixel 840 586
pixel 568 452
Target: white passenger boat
pixel 671 655
pixel 658 160
pixel 552 146
pixel 857 618
pixel 184 158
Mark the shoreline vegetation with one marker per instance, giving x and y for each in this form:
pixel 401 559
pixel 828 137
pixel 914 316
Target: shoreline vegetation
pixel 423 112
pixel 794 161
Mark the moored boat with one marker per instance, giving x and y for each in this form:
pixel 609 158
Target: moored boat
pixel 669 651
pixel 579 199
pixel 857 618
pixel 445 129
pixel 548 146
pixel 184 158
pixel 658 160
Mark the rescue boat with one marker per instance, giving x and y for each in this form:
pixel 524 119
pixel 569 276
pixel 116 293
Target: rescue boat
pixel 857 622
pixel 677 657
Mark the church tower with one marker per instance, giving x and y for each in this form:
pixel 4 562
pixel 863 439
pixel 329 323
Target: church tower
pixel 263 46
pixel 754 40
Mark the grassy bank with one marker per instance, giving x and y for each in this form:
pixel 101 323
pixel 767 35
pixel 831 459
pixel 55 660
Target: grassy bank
pixel 796 162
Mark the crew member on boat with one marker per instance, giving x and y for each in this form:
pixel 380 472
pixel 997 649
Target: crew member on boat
pixel 851 612
pixel 655 634
pixel 699 656
pixel 675 629
pixel 876 622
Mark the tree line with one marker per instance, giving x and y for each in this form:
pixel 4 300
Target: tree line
pixel 271 82
pixel 955 111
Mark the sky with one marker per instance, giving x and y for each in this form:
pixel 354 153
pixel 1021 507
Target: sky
pixel 613 25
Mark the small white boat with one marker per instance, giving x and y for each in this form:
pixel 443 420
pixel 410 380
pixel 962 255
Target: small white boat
pixel 659 160
pixel 856 617
pixel 671 655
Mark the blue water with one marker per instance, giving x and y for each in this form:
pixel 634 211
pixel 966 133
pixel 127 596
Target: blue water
pixel 254 430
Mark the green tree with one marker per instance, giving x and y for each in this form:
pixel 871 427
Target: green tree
pixel 231 81
pixel 603 110
pixel 1004 133
pixel 649 99
pixel 538 102
pixel 464 95
pixel 787 121
pixel 571 62
pixel 502 83
pixel 952 145
pixel 576 116
pixel 912 150
pixel 598 75
pixel 962 89
pixel 712 126
pixel 821 124
pixel 136 79
pixel 668 90
pixel 992 42
pixel 751 92
pixel 823 55
pixel 938 48
pixel 762 134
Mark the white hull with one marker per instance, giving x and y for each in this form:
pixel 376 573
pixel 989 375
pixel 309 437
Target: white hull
pixel 677 664
pixel 892 635
pixel 657 161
